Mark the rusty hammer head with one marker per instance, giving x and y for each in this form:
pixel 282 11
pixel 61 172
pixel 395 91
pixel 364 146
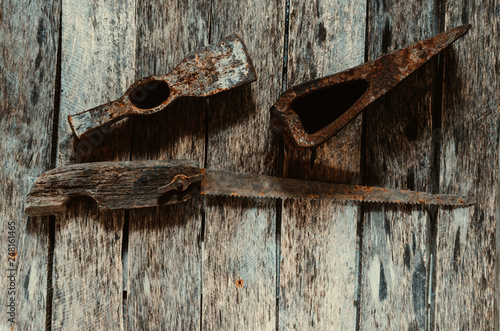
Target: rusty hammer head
pixel 213 69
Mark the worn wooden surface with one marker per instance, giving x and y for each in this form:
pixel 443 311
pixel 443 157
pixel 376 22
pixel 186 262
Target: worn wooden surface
pixel 399 154
pixel 318 239
pixel 164 260
pixel 465 275
pixel 180 266
pixel 95 67
pixel 239 238
pixel 28 48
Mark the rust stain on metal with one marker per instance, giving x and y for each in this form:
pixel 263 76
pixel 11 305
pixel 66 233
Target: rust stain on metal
pixel 234 184
pixel 180 183
pixel 218 67
pixel 141 184
pixel 309 114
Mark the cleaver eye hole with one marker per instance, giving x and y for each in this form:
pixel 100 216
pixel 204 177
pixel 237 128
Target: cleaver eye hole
pixel 321 107
pixel 150 94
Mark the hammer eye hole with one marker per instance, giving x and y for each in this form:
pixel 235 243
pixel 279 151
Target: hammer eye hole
pixel 321 107
pixel 150 94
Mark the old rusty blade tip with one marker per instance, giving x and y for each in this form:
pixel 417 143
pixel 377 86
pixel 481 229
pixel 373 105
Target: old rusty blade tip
pixel 308 114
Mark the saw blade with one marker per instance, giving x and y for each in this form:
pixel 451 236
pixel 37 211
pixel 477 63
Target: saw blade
pixel 233 184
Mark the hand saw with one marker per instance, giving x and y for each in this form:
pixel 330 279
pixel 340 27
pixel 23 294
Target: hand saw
pixel 138 184
pixel 218 67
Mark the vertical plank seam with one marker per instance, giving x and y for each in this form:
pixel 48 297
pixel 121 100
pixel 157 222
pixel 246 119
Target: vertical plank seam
pixel 359 228
pixel 53 163
pixel 362 181
pixel 205 165
pixel 367 33
pixel 126 215
pixel 281 160
pixel 124 254
pixel 50 265
pixel 284 77
pixel 436 113
pixel 496 317
pixel 57 97
pixel 126 223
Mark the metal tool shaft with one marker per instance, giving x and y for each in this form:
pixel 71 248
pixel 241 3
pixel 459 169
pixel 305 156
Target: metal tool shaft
pixel 233 184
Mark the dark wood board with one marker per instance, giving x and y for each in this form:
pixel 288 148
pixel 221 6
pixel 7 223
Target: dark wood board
pixel 96 66
pixel 239 261
pixel 164 248
pixel 399 154
pixel 318 239
pixel 28 61
pixel 466 238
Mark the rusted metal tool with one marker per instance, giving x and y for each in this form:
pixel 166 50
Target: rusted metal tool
pixel 213 69
pixel 308 114
pixel 127 185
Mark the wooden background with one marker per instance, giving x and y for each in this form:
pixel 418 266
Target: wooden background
pixel 304 265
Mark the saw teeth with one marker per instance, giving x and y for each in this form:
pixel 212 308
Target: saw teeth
pixel 331 199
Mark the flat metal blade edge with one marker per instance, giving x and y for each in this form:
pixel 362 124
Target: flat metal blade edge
pixel 234 184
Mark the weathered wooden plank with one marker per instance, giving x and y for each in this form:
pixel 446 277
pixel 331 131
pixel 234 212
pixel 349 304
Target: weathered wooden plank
pixel 28 60
pixel 465 279
pixel 87 269
pixel 317 272
pixel 164 281
pixel 164 267
pixel 239 262
pixel 399 154
pixel 318 240
pixel 395 269
pixel 97 66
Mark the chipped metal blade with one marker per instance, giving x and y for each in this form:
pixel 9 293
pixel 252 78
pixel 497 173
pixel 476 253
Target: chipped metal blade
pixel 308 114
pixel 233 184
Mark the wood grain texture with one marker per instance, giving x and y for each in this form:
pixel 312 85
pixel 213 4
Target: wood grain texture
pixel 87 269
pixel 318 239
pixel 28 48
pixel 97 66
pixel 465 280
pixel 240 233
pixel 108 45
pixel 164 281
pixel 395 270
pixel 399 154
pixel 317 270
pixel 114 185
pixel 164 257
